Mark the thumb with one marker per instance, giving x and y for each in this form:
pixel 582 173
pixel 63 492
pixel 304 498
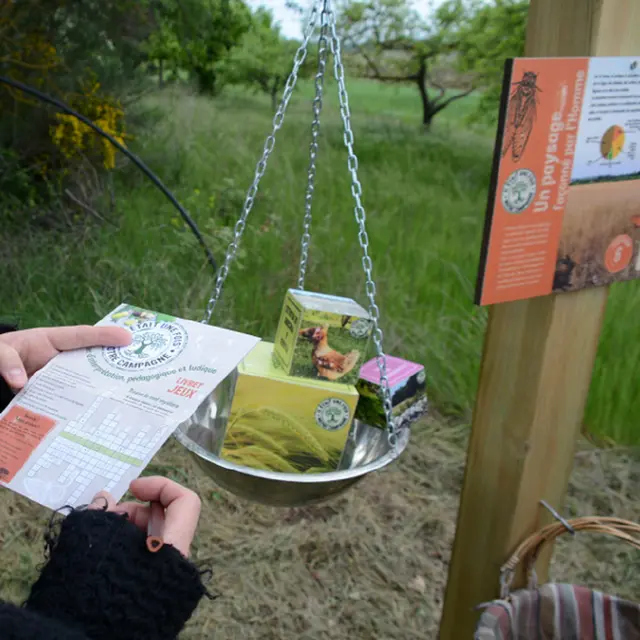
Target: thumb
pixel 11 367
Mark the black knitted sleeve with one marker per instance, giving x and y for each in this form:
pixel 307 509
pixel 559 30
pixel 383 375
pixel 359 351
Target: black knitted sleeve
pixel 101 580
pixel 20 624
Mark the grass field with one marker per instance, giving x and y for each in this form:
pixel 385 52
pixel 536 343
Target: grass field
pixel 371 564
pixel 425 197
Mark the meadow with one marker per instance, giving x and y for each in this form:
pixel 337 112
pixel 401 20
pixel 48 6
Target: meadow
pixel 425 196
pixel 371 564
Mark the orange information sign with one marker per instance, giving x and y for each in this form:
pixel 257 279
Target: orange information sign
pixel 564 203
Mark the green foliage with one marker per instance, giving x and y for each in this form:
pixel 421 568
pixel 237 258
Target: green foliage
pixel 486 35
pixel 85 52
pixel 388 34
pixel 196 35
pixel 163 46
pixel 263 59
pixel 398 45
pixel 16 188
pixel 93 55
pixel 424 196
pixel 70 36
pixel 395 21
pixel 474 36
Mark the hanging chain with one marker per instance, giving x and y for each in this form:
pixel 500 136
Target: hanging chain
pixel 313 147
pixel 269 144
pixel 328 22
pixel 363 238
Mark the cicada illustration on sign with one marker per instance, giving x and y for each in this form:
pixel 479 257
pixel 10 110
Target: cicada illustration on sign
pixel 521 115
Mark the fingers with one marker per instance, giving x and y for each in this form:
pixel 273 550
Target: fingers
pixel 136 512
pixel 182 508
pixel 85 336
pixel 11 367
pixel 103 500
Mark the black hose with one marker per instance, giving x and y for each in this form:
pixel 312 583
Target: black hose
pixel 141 165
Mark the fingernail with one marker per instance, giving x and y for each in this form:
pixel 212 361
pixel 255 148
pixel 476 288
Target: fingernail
pixel 16 377
pixel 99 502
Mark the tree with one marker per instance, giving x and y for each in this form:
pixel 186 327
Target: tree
pixel 163 48
pixel 141 343
pixel 486 34
pixel 104 36
pixel 263 59
pixel 85 52
pixel 398 45
pixel 196 35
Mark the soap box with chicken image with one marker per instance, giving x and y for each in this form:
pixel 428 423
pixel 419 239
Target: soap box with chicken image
pixel 284 424
pixel 322 337
pixel 407 382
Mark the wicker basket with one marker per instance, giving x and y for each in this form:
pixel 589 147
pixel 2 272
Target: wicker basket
pixel 560 611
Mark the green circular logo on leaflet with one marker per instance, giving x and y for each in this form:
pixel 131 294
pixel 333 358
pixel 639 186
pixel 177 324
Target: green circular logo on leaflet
pixel 332 414
pixel 154 345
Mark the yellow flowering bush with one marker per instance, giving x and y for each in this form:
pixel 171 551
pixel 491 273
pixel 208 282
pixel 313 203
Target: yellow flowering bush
pixel 44 152
pixel 30 60
pixel 74 138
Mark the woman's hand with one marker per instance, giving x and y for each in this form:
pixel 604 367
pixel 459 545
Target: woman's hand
pixel 181 509
pixel 22 353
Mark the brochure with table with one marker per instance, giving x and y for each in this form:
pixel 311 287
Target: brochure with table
pixel 92 419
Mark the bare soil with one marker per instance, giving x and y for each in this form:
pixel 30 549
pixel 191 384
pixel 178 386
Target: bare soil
pixel 369 564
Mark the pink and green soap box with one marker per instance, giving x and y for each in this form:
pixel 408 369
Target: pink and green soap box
pixel 407 382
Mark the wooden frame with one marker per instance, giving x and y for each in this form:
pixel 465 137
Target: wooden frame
pixel 536 370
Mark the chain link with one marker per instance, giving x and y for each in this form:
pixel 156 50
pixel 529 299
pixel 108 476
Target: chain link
pixel 269 144
pixel 313 147
pixel 363 238
pixel 328 22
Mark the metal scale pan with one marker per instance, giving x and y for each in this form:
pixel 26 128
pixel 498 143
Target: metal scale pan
pixel 367 450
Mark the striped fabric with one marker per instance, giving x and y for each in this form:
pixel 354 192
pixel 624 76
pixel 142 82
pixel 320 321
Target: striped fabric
pixel 560 611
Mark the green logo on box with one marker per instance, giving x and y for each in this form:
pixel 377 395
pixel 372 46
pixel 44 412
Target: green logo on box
pixel 360 328
pixel 332 414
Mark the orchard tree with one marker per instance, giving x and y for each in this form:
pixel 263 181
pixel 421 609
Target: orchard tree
pixel 399 45
pixel 263 59
pixel 163 49
pixel 196 35
pixel 486 34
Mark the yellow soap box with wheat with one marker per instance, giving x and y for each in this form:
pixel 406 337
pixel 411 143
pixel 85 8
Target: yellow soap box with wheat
pixel 286 424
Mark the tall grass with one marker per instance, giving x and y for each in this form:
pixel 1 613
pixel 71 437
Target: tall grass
pixel 425 198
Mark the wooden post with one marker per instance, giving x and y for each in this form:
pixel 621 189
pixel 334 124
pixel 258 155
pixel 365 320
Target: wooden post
pixel 536 369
